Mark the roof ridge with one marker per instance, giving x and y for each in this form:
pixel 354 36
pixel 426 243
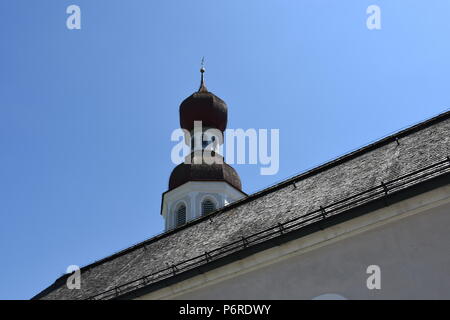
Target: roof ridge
pixel 315 170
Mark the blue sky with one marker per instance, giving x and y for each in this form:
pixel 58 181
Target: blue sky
pixel 86 115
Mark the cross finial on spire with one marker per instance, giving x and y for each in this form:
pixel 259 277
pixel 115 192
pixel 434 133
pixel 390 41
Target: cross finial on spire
pixel 202 81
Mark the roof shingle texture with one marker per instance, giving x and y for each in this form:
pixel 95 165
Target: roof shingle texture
pixel 333 182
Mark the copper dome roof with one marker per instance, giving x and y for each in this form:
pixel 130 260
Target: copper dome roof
pixel 212 111
pixel 203 106
pixel 204 172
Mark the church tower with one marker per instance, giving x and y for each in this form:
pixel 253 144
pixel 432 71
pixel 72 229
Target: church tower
pixel 203 183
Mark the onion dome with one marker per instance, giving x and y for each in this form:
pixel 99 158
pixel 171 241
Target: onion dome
pixel 204 172
pixel 203 106
pixel 212 111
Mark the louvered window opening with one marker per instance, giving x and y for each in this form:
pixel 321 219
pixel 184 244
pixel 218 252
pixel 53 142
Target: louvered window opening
pixel 208 207
pixel 181 215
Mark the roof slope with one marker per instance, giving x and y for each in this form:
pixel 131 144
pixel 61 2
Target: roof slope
pixel 387 159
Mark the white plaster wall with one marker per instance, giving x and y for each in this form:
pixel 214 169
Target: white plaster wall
pixel 192 193
pixel 409 240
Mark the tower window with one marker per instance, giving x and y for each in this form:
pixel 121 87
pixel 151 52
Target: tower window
pixel 181 215
pixel 208 206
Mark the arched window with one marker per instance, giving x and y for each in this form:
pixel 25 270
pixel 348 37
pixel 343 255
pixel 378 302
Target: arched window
pixel 208 206
pixel 181 215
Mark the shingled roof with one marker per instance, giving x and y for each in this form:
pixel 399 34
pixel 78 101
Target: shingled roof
pixel 400 161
